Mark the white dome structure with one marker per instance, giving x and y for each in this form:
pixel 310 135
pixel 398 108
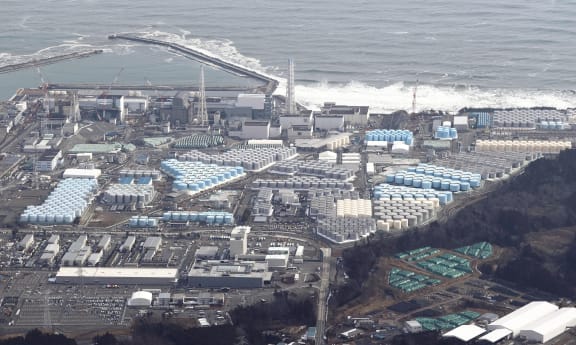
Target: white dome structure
pixel 140 299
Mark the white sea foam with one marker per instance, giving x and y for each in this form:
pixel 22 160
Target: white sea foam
pixel 398 96
pixel 221 49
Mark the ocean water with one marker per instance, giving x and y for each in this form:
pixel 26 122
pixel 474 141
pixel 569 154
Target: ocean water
pixel 516 53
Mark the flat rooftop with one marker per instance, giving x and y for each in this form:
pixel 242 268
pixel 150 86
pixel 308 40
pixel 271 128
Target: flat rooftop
pixel 117 272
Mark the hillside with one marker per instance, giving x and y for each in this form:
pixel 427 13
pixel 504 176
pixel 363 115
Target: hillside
pixel 532 217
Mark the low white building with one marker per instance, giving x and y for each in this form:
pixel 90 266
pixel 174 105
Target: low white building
pixel 82 173
pixel 140 299
pixel 256 130
pixel 549 326
pixel 277 261
pixel 522 317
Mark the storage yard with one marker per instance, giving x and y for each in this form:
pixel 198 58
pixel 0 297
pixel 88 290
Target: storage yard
pixel 127 208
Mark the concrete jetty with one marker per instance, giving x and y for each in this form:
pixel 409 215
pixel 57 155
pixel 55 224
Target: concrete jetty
pixel 48 60
pixel 271 84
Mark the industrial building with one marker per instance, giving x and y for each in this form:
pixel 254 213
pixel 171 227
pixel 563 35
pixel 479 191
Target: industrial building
pixel 117 275
pixel 48 160
pixel 26 242
pixel 549 326
pixel 517 320
pixel 237 275
pixel 465 333
pixel 239 240
pixel 353 115
pixel 152 243
pixel 255 130
pixel 140 299
pixel 128 244
pixel 277 261
pixel 82 173
pixel 206 253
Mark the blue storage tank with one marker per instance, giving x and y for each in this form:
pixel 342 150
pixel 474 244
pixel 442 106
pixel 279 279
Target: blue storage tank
pixel 445 185
pixel 408 180
pixel 417 183
pixel 420 170
pixel 166 216
pixel 228 219
pixel 464 186
pixel 426 184
pixel 396 197
pixel 411 169
pixel 443 199
pixel 474 183
pixel 385 197
pixel 390 178
pixel 453 133
pixel 454 187
pixel 211 219
pixel 193 217
pixel 239 170
pixel 399 179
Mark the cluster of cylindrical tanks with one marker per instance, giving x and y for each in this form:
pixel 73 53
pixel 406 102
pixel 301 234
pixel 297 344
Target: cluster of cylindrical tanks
pixel 428 176
pixel 67 202
pixel 354 208
pixel 443 132
pixel 194 176
pixel 249 159
pixel 526 118
pixel 316 168
pixel 118 193
pixel 154 174
pixel 553 125
pixel 490 165
pixel 403 214
pixel 198 141
pixel 390 135
pixel 303 183
pixel 543 146
pixel 344 229
pixel 143 222
pixel 396 193
pixel 200 217
pixel 322 206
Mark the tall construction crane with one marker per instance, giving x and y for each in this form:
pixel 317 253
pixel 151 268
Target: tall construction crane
pixel 44 88
pixel 202 108
pixel 414 97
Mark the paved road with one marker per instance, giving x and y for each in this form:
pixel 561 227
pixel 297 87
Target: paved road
pixel 323 296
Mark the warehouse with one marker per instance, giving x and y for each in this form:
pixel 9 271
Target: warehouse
pixel 256 130
pixel 550 326
pixel 117 275
pixel 140 299
pixel 48 160
pixel 244 275
pixel 82 173
pixel 206 253
pixel 520 318
pixel 465 333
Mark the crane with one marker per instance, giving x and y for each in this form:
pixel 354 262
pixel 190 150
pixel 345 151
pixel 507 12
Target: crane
pixel 43 87
pixel 414 97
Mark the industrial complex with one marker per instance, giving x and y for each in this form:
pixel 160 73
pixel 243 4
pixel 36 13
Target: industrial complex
pixel 196 198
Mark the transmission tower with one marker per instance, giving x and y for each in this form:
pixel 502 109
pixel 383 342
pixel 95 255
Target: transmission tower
pixel 202 109
pixel 290 97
